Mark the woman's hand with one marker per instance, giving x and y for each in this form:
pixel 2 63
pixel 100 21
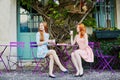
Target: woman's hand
pixel 51 41
pixel 71 33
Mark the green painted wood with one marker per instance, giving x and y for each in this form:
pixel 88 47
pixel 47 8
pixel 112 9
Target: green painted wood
pixel 25 35
pixel 27 38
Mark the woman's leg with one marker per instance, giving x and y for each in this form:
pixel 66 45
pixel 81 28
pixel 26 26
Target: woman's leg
pixel 75 62
pixel 79 61
pixel 51 63
pixel 53 52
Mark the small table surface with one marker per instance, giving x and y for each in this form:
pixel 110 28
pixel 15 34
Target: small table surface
pixel 4 45
pixel 61 44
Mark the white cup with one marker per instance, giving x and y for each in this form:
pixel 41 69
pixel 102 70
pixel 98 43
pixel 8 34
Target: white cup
pixel 53 40
pixel 71 32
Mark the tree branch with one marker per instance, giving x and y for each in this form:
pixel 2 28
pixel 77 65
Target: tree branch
pixel 90 9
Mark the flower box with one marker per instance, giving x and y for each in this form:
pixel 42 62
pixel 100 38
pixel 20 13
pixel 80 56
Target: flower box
pixel 107 34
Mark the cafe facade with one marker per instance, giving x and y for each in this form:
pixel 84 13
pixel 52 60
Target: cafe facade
pixel 18 24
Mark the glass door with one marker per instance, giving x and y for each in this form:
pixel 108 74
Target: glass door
pixel 28 22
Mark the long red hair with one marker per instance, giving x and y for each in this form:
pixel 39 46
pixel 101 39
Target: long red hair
pixel 41 31
pixel 82 30
pixel 45 27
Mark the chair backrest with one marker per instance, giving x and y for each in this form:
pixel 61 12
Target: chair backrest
pixel 33 45
pixel 97 45
pixel 98 53
pixel 91 44
pixel 96 48
pixel 94 44
pixel 17 44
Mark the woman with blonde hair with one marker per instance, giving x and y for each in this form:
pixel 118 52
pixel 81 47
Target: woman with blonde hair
pixel 84 50
pixel 42 39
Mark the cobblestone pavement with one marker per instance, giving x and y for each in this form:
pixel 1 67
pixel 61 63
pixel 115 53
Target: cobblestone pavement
pixel 88 75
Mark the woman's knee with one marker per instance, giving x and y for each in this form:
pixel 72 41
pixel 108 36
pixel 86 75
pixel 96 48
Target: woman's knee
pixel 51 56
pixel 53 52
pixel 72 54
pixel 76 53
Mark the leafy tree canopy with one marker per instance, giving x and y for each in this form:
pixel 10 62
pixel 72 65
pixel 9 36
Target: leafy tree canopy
pixel 63 15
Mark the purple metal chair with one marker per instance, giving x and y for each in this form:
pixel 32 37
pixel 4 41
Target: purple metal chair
pixel 18 45
pixel 1 59
pixel 91 44
pixel 38 61
pixel 103 60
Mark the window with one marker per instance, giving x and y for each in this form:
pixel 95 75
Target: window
pixel 105 13
pixel 29 21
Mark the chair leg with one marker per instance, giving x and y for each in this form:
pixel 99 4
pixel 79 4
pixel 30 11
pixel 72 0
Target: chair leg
pixel 108 65
pixel 19 64
pixel 91 67
pixel 0 73
pixel 105 64
pixel 40 68
pixel 4 64
pixel 8 63
pixel 14 63
pixel 37 65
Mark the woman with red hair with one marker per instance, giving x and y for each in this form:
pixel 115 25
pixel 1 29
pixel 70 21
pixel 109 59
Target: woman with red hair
pixel 84 50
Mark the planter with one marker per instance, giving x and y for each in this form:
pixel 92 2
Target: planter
pixel 107 34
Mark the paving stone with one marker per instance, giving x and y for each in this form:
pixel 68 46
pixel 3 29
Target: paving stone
pixel 88 75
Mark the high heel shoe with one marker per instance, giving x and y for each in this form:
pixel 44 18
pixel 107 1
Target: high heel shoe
pixel 77 75
pixel 52 76
pixel 65 71
pixel 81 75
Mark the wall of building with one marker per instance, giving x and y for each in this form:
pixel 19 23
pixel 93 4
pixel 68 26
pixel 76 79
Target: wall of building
pixel 118 13
pixel 8 29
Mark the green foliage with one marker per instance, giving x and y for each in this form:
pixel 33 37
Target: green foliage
pixel 106 46
pixel 88 1
pixel 26 3
pixel 118 40
pixel 57 13
pixel 52 3
pixel 90 22
pixel 107 28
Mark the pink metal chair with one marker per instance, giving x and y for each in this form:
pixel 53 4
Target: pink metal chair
pixel 38 61
pixel 1 59
pixel 18 45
